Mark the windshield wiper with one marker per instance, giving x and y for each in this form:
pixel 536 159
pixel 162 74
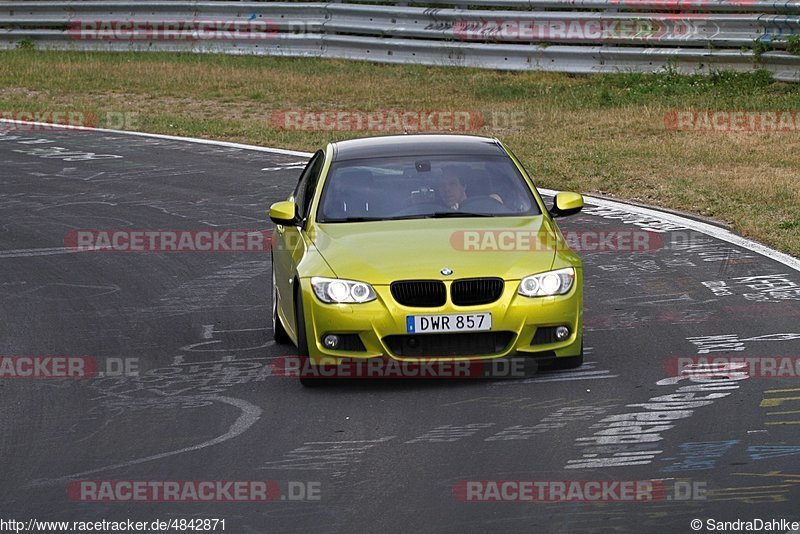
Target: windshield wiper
pixel 437 215
pixel 354 219
pixel 445 214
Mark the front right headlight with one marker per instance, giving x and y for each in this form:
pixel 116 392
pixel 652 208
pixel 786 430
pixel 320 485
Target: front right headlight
pixel 548 284
pixel 339 291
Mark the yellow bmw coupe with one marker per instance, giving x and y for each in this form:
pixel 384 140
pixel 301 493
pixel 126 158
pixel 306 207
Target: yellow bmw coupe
pixel 418 247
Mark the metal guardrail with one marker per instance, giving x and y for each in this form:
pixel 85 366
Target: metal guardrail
pixel 753 6
pixel 535 35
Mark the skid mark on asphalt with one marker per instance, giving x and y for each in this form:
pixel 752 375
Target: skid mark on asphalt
pixel 337 457
pixel 183 385
pixel 588 371
pixel 249 416
pixel 52 206
pixel 208 291
pixel 532 403
pixel 64 291
pixel 31 252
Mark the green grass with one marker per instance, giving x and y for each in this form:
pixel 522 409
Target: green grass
pixel 595 134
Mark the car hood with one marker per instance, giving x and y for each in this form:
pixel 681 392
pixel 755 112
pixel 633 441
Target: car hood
pixel 381 252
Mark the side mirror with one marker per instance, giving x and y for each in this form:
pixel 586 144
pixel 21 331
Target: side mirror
pixel 284 213
pixel 566 203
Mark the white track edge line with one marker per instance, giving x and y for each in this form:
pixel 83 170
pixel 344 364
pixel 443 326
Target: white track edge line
pixel 160 136
pixel 709 229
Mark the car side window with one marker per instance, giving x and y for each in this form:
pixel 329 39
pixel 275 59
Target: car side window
pixel 307 183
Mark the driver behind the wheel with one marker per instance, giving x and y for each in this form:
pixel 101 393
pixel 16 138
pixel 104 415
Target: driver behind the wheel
pixel 451 188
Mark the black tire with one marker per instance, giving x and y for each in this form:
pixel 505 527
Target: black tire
pixel 572 362
pixel 302 343
pixel 279 333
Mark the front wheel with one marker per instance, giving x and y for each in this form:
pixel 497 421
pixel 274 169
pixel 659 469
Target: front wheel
pixel 302 345
pixel 572 362
pixel 279 333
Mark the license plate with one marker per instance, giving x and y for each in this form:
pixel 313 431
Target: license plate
pixel 457 322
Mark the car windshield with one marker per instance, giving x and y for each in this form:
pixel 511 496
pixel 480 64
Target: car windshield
pixel 424 187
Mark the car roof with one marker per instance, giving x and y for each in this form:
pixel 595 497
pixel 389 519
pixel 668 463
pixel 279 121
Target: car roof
pixel 416 145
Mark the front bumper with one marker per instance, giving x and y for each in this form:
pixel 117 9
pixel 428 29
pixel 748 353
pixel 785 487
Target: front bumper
pixel 373 322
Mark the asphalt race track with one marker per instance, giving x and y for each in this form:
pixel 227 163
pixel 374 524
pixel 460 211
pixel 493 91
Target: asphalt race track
pixel 366 456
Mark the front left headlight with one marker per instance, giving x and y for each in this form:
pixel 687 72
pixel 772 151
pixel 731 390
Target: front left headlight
pixel 339 291
pixel 548 284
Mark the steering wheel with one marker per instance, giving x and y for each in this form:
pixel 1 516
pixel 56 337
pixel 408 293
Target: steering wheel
pixel 482 204
pixel 422 208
